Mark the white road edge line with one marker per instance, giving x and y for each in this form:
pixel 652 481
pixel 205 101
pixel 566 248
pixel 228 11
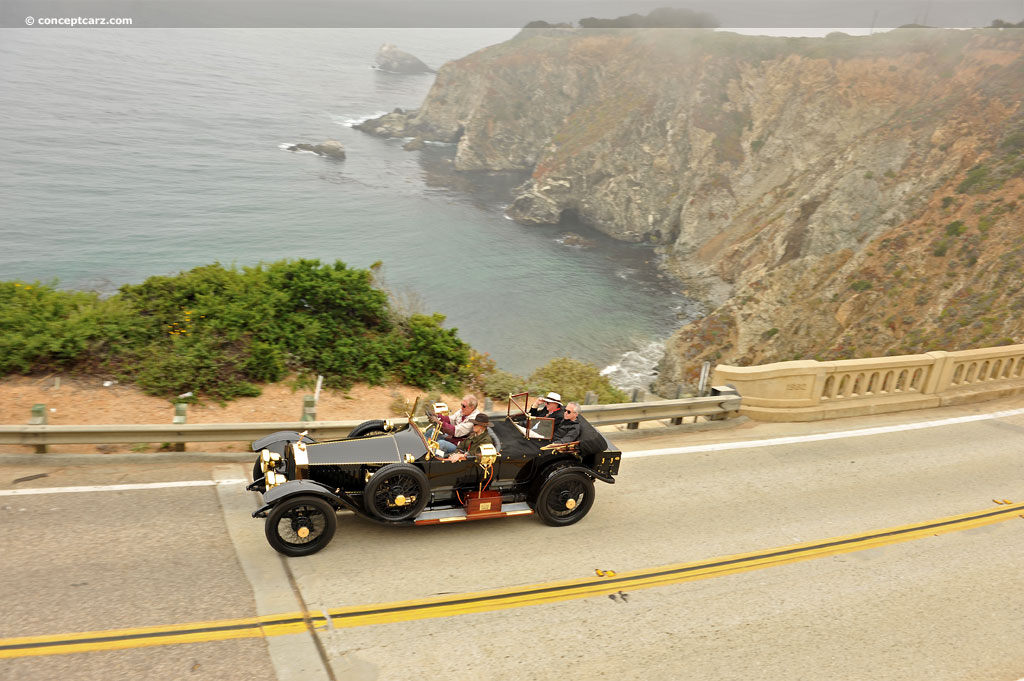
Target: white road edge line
pixel 839 435
pixel 120 488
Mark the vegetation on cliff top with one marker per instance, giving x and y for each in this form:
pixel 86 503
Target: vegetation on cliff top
pixel 217 332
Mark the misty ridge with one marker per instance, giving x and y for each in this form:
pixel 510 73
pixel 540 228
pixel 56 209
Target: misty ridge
pixel 810 190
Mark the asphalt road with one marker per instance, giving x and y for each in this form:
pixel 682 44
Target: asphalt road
pixel 942 605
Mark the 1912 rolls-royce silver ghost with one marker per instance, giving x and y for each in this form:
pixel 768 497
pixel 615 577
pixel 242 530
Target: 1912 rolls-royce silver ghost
pixel 391 473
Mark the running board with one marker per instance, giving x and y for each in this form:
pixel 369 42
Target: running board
pixel 454 515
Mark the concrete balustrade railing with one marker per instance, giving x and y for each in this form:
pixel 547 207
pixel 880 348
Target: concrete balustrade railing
pixel 807 390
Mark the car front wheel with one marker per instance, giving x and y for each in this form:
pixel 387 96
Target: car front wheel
pixel 301 525
pixel 564 498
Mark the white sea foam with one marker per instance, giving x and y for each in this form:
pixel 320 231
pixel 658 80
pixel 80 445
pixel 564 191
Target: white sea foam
pixel 636 368
pixel 626 273
pixel 352 122
pixel 288 147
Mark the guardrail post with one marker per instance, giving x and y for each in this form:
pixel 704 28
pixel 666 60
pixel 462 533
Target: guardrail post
pixel 677 421
pixel 488 404
pixel 637 396
pixel 723 391
pixel 308 408
pixel 180 417
pixel 39 419
pixel 590 397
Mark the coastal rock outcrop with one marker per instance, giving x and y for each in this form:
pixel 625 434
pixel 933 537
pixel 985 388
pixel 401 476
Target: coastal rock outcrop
pixel 810 190
pixel 330 148
pixel 390 58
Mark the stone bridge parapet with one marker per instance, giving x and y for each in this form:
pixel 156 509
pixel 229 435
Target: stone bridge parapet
pixel 808 390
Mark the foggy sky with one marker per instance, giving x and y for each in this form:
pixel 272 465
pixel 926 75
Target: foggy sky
pixel 509 13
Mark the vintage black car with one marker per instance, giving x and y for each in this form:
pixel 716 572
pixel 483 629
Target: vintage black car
pixel 391 473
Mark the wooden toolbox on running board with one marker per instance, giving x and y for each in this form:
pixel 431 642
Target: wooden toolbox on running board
pixel 483 503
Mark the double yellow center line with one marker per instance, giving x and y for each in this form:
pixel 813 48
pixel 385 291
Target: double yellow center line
pixel 500 599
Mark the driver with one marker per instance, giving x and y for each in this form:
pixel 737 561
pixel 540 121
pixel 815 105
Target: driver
pixel 457 427
pixel 470 445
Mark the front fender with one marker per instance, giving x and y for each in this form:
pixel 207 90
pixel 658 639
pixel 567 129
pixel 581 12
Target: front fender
pixel 294 487
pixel 285 436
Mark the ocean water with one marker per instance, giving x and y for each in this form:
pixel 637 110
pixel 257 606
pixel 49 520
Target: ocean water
pixel 131 153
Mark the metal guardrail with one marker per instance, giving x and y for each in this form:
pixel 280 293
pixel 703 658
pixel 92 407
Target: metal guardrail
pixel 598 415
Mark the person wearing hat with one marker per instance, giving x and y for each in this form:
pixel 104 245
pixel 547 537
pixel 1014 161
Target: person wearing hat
pixel 470 445
pixel 549 406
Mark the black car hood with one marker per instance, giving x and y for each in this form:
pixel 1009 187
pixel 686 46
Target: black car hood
pixel 375 449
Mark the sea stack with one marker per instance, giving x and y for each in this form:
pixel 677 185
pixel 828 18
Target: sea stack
pixel 330 149
pixel 390 58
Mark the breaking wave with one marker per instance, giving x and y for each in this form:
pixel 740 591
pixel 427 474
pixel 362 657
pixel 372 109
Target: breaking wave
pixel 352 122
pixel 287 147
pixel 636 368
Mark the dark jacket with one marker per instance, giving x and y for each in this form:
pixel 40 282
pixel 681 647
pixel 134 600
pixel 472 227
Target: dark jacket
pixel 471 443
pixel 567 431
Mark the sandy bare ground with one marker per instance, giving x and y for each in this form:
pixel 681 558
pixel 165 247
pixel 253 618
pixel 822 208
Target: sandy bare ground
pixel 78 400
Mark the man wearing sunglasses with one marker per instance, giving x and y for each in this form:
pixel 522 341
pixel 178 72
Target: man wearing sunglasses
pixel 569 429
pixel 457 427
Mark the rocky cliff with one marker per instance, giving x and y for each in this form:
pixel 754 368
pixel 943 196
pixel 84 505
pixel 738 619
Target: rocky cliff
pixel 833 197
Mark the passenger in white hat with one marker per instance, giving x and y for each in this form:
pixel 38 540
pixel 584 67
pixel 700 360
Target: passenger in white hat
pixel 549 406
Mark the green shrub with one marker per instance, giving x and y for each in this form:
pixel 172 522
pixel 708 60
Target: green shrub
pixel 44 329
pixel 860 285
pixel 217 331
pixel 477 370
pixel 1013 143
pixel 978 180
pixel 424 354
pixel 955 228
pixel 572 379
pixel 500 384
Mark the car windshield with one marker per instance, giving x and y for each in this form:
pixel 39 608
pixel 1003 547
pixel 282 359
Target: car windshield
pixel 532 427
pixel 415 426
pixel 541 428
pixel 517 404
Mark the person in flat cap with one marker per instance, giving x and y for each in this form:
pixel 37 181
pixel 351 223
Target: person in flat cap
pixel 470 445
pixel 549 406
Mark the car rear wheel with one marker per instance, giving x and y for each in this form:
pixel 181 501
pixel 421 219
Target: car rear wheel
pixel 564 498
pixel 301 525
pixel 398 491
